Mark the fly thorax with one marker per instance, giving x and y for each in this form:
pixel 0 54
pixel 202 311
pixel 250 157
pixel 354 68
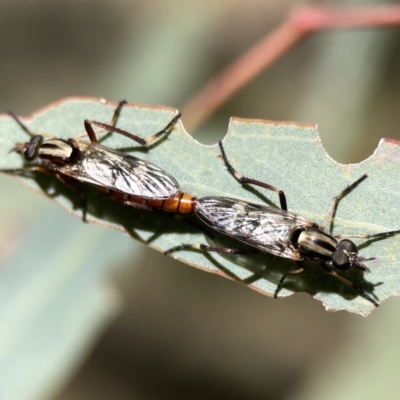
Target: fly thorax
pixel 56 151
pixel 315 243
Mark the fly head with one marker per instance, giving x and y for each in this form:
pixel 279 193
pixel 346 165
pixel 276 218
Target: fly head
pixel 29 150
pixel 346 257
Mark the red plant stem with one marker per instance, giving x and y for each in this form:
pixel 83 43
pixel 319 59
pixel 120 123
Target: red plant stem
pixel 298 25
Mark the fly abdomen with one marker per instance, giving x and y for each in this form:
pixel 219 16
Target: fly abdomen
pixel 314 243
pixel 182 203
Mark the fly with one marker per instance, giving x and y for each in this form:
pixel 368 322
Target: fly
pixel 282 233
pixel 121 176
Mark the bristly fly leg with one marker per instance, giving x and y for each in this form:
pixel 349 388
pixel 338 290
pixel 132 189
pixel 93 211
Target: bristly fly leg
pixel 209 249
pixel 21 124
pixel 204 247
pixel 71 183
pixel 110 127
pixel 367 236
pixel 63 179
pixel 332 209
pixel 332 272
pixel 90 131
pixel 121 200
pixel 117 111
pixel 240 178
pixel 338 197
pixel 294 271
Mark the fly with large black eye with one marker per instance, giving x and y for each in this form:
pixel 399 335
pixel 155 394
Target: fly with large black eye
pixel 282 233
pixel 123 177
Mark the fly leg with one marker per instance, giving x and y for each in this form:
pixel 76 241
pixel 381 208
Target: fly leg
pixel 20 171
pixel 110 127
pixel 125 202
pixel 18 120
pixel 191 223
pixel 21 124
pixel 242 179
pixel 90 131
pixel 208 249
pixel 70 182
pixel 114 119
pixel 332 272
pixel 293 271
pixel 336 199
pixel 117 111
pixel 371 236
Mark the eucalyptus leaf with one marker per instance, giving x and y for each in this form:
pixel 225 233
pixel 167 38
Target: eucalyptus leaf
pixel 289 156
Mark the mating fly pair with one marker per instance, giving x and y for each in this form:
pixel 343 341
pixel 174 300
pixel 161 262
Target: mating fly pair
pixel 124 178
pixel 135 182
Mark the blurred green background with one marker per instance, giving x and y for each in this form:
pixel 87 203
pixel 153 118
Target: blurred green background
pixel 89 313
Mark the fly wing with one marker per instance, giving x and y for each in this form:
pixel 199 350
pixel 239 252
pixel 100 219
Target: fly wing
pixel 263 227
pixel 121 172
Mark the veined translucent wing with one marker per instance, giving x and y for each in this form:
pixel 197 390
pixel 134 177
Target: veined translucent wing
pixel 263 227
pixel 121 172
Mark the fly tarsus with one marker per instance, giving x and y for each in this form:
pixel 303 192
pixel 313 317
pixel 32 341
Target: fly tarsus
pixel 163 131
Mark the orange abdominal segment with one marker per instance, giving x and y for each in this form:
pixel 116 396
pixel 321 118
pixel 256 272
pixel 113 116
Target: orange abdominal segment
pixel 187 204
pixel 154 203
pixel 181 203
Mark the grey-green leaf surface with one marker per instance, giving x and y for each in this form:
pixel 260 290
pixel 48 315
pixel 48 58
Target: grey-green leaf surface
pixel 286 155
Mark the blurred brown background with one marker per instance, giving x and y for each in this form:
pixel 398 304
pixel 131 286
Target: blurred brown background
pixel 182 333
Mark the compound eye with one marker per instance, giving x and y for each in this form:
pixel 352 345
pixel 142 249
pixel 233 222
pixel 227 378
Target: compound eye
pixel 33 147
pixel 341 260
pixel 348 245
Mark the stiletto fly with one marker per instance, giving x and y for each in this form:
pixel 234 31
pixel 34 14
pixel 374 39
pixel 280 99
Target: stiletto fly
pixel 282 233
pixel 123 177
